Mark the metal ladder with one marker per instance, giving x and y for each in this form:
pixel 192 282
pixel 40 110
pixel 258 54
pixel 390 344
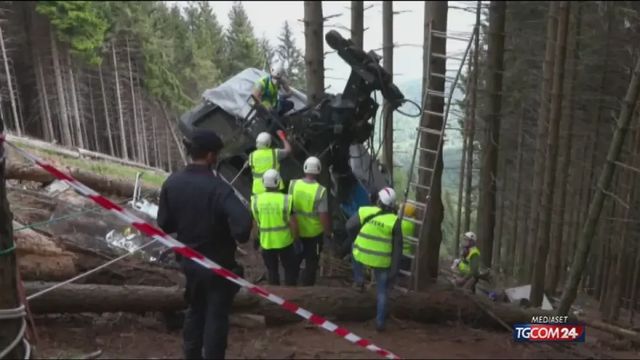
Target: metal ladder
pixel 432 154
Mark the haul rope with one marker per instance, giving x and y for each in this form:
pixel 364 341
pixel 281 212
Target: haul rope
pixel 16 313
pixel 197 257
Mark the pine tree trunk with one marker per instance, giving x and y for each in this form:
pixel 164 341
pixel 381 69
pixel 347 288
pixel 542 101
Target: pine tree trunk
pixel 547 71
pixel 123 137
pixel 47 123
pixel 357 24
pixel 472 122
pixel 154 135
pixel 435 17
pixel 74 101
pixel 463 160
pixel 143 127
pixel 64 117
pixel 516 253
pixel 12 98
pixel 145 142
pixel 622 257
pixel 137 148
pixel 94 124
pixel 387 60
pixel 83 122
pixel 546 207
pixel 489 169
pixel 168 146
pixel 107 122
pixel 174 136
pixel 9 298
pixel 314 50
pixel 560 221
pixel 604 182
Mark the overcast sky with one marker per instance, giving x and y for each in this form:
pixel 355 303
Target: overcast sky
pixel 267 18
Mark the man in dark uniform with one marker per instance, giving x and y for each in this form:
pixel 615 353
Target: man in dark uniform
pixel 206 215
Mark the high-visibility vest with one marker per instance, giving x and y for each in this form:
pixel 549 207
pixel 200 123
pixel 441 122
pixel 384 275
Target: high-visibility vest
pixel 365 211
pixel 464 266
pixel 373 246
pixel 269 92
pixel 272 211
pixel 408 229
pixel 260 161
pixel 306 197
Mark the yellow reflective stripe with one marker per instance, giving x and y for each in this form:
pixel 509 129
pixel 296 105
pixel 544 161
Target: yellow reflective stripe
pixel 272 229
pixel 372 252
pixel 316 199
pixel 286 209
pixel 254 205
pixel 375 238
pixel 292 185
pixel 273 159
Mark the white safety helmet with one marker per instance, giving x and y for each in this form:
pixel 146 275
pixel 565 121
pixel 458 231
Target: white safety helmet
pixel 387 196
pixel 271 179
pixel 277 71
pixel 263 140
pixel 471 236
pixel 312 166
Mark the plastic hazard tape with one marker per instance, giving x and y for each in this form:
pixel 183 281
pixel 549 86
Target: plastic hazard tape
pixel 187 252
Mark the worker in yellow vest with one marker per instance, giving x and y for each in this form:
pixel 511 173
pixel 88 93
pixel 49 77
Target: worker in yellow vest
pixel 379 246
pixel 278 229
pixel 312 213
pixel 266 91
pixel 408 229
pixel 469 264
pixel 265 158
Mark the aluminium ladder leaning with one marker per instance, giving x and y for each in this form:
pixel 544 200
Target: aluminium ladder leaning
pixel 429 153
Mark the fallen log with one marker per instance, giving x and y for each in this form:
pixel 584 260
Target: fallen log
pixel 335 303
pixel 40 258
pixel 616 330
pixel 100 183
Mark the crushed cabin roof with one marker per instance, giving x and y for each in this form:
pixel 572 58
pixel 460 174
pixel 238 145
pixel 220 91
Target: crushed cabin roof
pixel 233 95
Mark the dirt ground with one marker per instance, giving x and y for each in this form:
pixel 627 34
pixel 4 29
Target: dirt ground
pixel 131 336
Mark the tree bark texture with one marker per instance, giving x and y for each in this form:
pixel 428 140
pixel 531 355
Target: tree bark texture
pixel 62 104
pixel 387 60
pixel 123 138
pixel 357 23
pixel 9 298
pixel 544 226
pixel 314 50
pixel 341 304
pixel 561 218
pixel 435 18
pixel 547 72
pixel 604 182
pixel 472 122
pixel 489 169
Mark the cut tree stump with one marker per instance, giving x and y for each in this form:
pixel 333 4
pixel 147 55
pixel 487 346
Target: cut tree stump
pixel 343 304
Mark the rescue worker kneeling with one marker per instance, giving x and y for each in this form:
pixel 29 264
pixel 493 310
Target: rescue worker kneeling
pixel 468 266
pixel 277 227
pixel 378 246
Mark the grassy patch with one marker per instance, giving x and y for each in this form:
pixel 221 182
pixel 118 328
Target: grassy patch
pixel 101 167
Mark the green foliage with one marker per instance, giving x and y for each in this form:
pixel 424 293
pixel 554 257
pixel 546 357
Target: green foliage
pixel 241 46
pixel 78 23
pixel 291 57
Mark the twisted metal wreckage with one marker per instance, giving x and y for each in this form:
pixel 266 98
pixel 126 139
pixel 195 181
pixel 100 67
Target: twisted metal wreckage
pixel 335 130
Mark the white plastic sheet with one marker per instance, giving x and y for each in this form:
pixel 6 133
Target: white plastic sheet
pixel 234 94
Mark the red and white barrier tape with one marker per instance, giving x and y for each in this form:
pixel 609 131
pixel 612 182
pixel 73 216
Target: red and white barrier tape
pixel 187 252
